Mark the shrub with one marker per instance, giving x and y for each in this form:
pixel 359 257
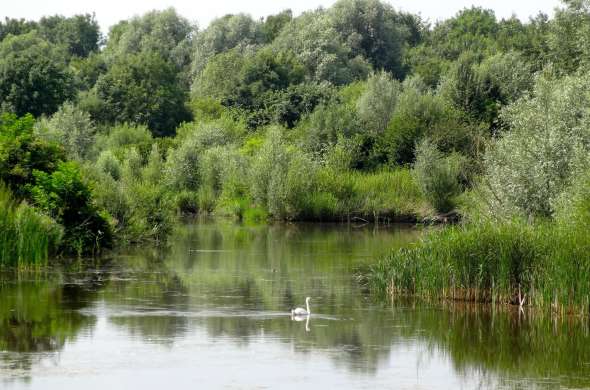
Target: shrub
pixel 108 163
pixel 377 104
pixel 124 136
pixel 281 176
pixel 64 196
pixel 419 115
pixel 186 202
pixel 70 127
pixel 439 177
pixel 181 169
pixel 113 197
pixel 151 212
pixel 529 167
pixel 21 152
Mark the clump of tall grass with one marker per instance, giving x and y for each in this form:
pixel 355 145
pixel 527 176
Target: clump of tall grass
pixel 545 265
pixel 386 195
pixel 438 176
pixel 27 237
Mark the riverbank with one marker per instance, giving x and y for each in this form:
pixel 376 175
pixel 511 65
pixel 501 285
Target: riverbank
pixel 544 265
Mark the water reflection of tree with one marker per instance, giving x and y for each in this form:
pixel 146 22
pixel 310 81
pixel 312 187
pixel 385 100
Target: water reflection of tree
pixel 39 316
pixel 239 274
pixel 508 344
pixel 148 296
pixel 265 269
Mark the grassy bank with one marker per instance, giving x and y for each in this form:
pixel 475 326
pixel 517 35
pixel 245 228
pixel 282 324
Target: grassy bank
pixel 26 236
pixel 543 265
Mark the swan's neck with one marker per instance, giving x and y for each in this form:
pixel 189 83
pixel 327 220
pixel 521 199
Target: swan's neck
pixel 307 304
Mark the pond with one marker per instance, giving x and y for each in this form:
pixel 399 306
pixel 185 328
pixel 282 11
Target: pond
pixel 211 310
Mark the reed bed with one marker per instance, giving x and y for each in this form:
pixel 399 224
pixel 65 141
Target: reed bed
pixel 513 263
pixel 27 237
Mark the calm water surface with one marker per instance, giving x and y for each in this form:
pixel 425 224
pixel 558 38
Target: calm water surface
pixel 211 311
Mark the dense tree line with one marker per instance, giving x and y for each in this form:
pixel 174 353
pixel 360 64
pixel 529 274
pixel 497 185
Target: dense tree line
pixel 357 110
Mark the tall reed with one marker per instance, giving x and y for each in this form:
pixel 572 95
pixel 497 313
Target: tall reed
pixel 544 265
pixel 27 237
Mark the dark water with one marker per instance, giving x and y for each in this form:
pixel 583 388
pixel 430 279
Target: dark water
pixel 211 311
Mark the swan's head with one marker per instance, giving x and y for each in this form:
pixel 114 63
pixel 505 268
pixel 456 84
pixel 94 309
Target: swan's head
pixel 307 300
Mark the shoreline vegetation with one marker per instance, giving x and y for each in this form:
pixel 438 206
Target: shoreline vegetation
pixel 354 112
pixel 517 264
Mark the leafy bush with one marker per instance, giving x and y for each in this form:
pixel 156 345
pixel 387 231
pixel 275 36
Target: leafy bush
pixel 528 168
pixel 70 127
pixel 108 163
pixel 425 115
pixel 377 104
pixel 64 196
pixel 280 176
pixel 21 153
pixel 438 176
pixel 119 138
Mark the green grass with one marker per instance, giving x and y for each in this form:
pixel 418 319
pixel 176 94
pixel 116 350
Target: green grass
pixel 334 196
pixel 549 263
pixel 27 237
pixel 381 196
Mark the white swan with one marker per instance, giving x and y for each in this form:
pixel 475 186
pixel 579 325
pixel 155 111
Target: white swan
pixel 300 311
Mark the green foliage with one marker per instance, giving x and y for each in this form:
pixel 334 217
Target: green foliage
pixel 125 136
pixel 21 153
pixel 64 196
pixel 273 24
pixel 394 195
pixel 321 49
pixel 132 190
pixel 70 127
pixel 288 106
pixel 15 27
pixel 269 171
pixel 418 116
pixel 87 70
pixel 108 163
pixel 142 89
pixel 332 120
pixel 151 212
pixel 220 78
pixel 529 167
pixel 492 262
pixel 163 32
pixel 223 34
pixel 27 237
pixel 472 29
pixel 183 167
pixel 79 35
pixel 572 208
pixel 377 104
pixel 34 77
pixel 567 47
pixel 375 31
pixel 481 89
pixel 438 176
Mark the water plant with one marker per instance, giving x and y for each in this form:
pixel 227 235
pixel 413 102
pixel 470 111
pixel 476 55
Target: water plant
pixel 27 237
